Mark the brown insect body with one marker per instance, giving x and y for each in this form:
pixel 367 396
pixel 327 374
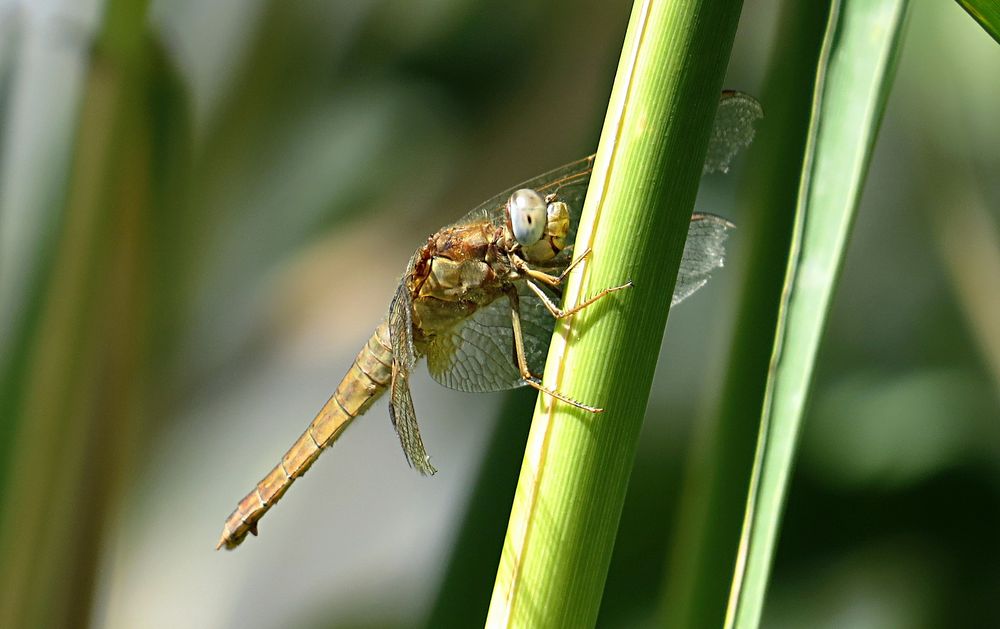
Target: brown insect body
pixel 480 305
pixel 459 270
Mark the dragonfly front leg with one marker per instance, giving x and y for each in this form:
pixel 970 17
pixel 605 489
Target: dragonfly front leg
pixel 559 313
pixel 551 280
pixel 522 362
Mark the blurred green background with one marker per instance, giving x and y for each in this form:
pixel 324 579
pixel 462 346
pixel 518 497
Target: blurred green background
pixel 205 206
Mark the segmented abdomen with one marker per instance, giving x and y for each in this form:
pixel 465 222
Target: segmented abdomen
pixel 366 380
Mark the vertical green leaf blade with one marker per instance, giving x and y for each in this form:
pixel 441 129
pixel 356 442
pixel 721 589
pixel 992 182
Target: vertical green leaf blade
pixel 718 466
pixel 576 467
pixel 853 81
pixel 73 386
pixel 986 13
pixel 464 597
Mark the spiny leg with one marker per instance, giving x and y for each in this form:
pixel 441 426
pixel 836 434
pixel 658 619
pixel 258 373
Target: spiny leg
pixel 522 362
pixel 574 264
pixel 559 313
pixel 523 267
pixel 551 280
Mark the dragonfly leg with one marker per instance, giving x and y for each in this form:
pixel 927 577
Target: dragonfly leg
pixel 522 362
pixel 545 278
pixel 553 280
pixel 574 263
pixel 558 313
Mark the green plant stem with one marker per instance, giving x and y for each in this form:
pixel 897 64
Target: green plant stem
pixel 986 13
pixel 576 467
pixel 464 597
pixel 718 468
pixel 852 84
pixel 73 390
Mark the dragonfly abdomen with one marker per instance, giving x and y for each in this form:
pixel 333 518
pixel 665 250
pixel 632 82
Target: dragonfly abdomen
pixel 365 381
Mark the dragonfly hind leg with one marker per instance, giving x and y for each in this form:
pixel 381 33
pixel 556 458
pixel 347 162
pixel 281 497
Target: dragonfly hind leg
pixel 522 363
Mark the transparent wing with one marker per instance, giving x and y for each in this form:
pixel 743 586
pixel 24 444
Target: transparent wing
pixel 733 129
pixel 537 324
pixel 404 418
pixel 569 181
pixel 477 355
pixel 704 251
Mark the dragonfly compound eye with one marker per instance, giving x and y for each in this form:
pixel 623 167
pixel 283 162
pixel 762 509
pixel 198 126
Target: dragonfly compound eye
pixel 528 213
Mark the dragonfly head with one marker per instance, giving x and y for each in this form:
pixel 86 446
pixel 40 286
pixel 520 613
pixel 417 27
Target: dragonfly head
pixel 539 224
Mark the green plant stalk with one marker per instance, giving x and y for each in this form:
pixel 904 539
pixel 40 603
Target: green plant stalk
pixel 986 13
pixel 74 386
pixel 576 467
pixel 46 528
pixel 718 466
pixel 852 85
pixel 463 597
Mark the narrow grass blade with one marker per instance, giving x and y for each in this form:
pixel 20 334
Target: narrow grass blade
pixel 986 13
pixel 73 385
pixel 576 467
pixel 717 471
pixel 853 80
pixel 464 594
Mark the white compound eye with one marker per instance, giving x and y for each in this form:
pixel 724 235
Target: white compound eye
pixel 527 211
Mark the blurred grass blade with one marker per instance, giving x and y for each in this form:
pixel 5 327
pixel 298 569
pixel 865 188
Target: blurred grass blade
pixel 74 384
pixel 464 593
pixel 987 13
pixel 968 239
pixel 576 468
pixel 717 470
pixel 852 85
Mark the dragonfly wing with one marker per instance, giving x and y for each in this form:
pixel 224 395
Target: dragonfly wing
pixel 404 418
pixel 732 130
pixel 537 324
pixel 704 252
pixel 568 181
pixel 477 355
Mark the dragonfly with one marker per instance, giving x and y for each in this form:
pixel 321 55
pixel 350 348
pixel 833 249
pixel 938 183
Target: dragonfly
pixel 479 301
